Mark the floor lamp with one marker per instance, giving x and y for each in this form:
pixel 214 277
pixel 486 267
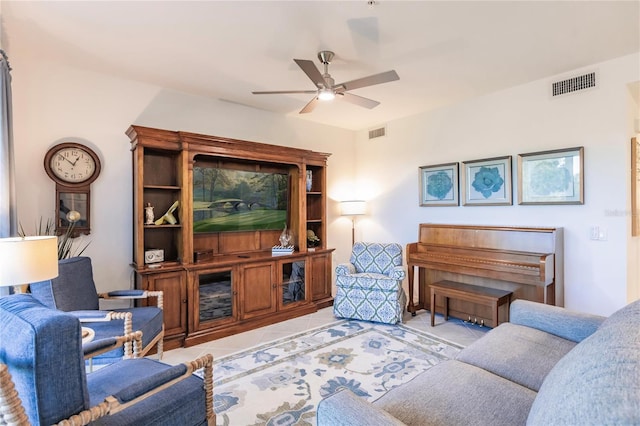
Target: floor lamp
pixel 23 261
pixel 353 208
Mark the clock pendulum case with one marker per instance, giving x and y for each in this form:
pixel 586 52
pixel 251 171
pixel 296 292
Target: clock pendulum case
pixel 73 167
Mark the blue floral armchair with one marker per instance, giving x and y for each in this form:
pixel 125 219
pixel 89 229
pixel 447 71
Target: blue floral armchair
pixel 370 286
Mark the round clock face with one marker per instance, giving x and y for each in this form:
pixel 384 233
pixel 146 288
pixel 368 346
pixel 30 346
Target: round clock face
pixel 72 163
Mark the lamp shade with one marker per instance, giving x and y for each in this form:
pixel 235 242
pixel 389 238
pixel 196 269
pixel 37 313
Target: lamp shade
pixel 28 260
pixel 353 207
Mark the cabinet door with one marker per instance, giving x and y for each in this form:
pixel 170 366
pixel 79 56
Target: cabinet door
pixel 173 285
pixel 321 278
pixel 292 283
pixel 257 290
pixel 213 298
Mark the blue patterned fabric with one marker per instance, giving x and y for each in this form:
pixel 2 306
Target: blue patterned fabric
pixel 43 351
pixel 370 287
pixel 375 257
pixel 74 291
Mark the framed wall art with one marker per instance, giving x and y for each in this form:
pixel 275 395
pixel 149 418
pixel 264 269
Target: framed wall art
pixel 439 185
pixel 551 177
pixel 635 187
pixel 488 182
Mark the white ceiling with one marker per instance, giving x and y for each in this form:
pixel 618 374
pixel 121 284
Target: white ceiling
pixel 443 51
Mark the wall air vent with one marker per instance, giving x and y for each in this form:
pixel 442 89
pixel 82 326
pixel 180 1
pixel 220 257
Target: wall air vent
pixel 574 84
pixel 378 132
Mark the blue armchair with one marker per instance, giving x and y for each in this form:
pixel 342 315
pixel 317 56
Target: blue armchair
pixel 41 360
pixel 370 286
pixel 74 291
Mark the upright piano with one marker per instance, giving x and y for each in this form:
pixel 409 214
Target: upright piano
pixel 525 260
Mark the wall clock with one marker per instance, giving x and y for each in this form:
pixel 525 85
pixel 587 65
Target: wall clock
pixel 73 167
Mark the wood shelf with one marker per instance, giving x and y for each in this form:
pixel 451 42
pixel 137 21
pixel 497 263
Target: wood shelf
pixel 162 187
pixel 260 293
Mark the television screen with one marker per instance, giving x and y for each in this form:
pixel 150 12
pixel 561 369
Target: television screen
pixel 238 200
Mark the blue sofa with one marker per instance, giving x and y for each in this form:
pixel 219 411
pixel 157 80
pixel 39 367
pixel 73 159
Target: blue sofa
pixel 547 366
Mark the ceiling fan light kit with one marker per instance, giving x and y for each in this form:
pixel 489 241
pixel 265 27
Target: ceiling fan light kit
pixel 326 87
pixel 326 94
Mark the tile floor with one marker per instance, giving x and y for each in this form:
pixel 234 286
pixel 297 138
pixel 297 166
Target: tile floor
pixel 454 330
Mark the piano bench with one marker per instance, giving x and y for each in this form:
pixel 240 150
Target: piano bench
pixel 491 297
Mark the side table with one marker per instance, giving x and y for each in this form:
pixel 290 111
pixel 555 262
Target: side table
pixel 87 335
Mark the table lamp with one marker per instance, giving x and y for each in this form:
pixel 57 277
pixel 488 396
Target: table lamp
pixel 25 260
pixel 353 208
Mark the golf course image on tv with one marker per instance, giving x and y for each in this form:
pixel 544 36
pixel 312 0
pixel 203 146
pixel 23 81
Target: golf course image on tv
pixel 238 200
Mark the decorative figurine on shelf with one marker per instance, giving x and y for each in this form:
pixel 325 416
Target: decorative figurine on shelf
pixel 148 214
pixel 309 180
pixel 285 237
pixel 312 240
pixel 168 216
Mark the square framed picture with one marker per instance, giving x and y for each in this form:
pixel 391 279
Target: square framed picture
pixel 439 185
pixel 487 182
pixel 551 177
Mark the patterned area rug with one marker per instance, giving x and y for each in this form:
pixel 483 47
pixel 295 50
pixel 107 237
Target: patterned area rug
pixel 281 383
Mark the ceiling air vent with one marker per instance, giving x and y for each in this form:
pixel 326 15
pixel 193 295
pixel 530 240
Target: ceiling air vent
pixel 377 133
pixel 573 84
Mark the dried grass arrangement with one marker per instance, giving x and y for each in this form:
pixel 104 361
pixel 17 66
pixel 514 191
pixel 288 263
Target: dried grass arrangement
pixel 67 246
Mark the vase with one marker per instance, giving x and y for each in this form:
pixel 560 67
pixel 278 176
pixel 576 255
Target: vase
pixel 285 237
pixel 309 180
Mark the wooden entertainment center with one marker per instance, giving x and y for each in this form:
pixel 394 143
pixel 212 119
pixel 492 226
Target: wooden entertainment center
pixel 220 283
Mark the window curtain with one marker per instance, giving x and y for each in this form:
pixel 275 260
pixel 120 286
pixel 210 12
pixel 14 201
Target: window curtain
pixel 8 216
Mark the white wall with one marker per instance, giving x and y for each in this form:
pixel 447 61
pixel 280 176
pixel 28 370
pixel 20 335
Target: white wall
pixel 520 120
pixel 633 243
pixel 55 103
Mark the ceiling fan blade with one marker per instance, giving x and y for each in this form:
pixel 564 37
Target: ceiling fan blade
pixel 371 80
pixel 310 106
pixel 280 92
pixel 311 71
pixel 359 100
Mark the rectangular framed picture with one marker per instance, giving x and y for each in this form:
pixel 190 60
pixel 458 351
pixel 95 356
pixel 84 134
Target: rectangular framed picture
pixel 488 182
pixel 226 199
pixel 439 185
pixel 551 177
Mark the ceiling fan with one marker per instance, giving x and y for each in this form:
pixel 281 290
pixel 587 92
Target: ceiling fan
pixel 326 87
